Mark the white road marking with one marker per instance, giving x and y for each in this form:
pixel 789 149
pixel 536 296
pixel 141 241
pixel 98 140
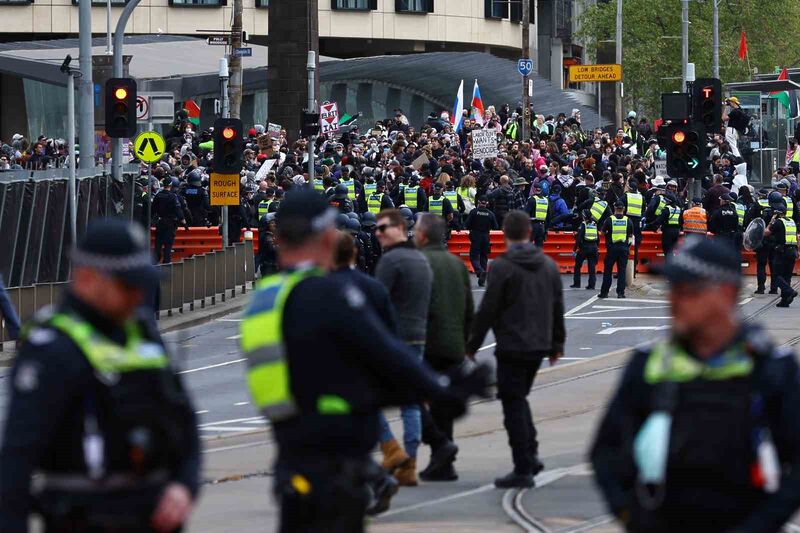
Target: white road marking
pixel 226 429
pixel 585 348
pixel 645 301
pixel 230 319
pixel 619 317
pixel 482 348
pixel 611 331
pixel 745 302
pixel 241 403
pixel 611 309
pixel 209 367
pixel 231 421
pixel 204 411
pixel 457 496
pixel 578 307
pixel 573 358
pixel 233 337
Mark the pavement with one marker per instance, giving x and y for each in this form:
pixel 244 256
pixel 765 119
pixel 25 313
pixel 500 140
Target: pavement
pixel 567 401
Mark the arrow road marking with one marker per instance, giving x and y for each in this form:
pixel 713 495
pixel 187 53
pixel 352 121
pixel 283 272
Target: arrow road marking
pixel 611 331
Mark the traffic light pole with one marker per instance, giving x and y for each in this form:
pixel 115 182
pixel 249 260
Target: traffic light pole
pixel 226 113
pixel 311 66
pixel 119 37
pixel 86 86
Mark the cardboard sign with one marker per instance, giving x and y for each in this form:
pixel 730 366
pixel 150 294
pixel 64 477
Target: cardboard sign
pixel 328 118
pixel 418 162
pixel 264 141
pixel 224 189
pixel 484 144
pixel 274 130
pixel 661 169
pixel 266 166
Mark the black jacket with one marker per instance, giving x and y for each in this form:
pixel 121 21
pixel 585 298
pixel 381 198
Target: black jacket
pixel 523 304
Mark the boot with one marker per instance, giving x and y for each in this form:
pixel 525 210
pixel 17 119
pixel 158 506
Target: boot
pixel 393 456
pixel 406 475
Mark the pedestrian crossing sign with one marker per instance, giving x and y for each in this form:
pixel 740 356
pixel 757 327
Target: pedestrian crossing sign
pixel 149 146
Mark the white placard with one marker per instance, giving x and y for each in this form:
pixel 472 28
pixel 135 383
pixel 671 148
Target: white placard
pixel 484 144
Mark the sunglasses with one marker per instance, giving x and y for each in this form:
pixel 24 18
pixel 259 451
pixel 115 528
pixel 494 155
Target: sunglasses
pixel 383 227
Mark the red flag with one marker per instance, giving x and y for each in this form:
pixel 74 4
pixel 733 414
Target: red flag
pixel 743 47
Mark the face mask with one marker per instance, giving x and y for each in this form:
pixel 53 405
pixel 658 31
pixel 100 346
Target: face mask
pixel 339 152
pixel 651 446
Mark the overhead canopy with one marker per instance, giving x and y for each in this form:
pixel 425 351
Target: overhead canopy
pixel 764 86
pixel 436 77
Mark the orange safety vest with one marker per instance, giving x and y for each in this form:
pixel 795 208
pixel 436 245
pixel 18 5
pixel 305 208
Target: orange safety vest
pixel 695 220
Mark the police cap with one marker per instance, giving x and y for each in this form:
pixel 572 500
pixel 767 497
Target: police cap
pixel 619 204
pixel 703 260
pixel 117 248
pixel 779 208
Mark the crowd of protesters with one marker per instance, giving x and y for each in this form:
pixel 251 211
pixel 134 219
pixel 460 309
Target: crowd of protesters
pixel 21 153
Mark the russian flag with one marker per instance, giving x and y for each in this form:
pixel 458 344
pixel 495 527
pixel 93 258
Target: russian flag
pixel 477 104
pixel 457 119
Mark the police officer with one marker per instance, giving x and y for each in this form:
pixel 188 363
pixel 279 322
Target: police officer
pixel 669 221
pixel 321 387
pixel 414 197
pixel 724 221
pixel 340 201
pixel 783 189
pixel 618 230
pixel 784 232
pixel 264 204
pixel 479 223
pixel 634 209
pixel 456 202
pixel 196 198
pixel 586 249
pixel 168 214
pixel 378 200
pixel 267 249
pixel 440 205
pixel 96 409
pixel 372 248
pixel 765 253
pixel 702 432
pixel 538 209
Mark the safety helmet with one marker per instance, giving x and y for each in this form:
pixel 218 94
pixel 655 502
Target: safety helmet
pixel 340 191
pixel 195 177
pixel 353 226
pixel 342 220
pixel 368 220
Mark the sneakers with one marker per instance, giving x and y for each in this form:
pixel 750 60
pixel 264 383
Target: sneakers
pixel 515 481
pixel 446 473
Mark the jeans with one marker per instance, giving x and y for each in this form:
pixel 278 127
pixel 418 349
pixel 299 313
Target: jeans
pixel 412 421
pixel 514 381
pixel 616 254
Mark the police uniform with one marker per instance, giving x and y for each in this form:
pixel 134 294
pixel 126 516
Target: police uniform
pixel 586 249
pixel 96 409
pixel 634 209
pixel 669 221
pixel 321 387
pixel 414 197
pixel 703 444
pixel 784 232
pixel 198 203
pixel 479 223
pixel 618 230
pixel 168 212
pixel 267 251
pixel 538 209
pixel 724 222
pixel 765 254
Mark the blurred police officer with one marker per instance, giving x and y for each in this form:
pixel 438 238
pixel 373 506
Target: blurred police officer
pixel 618 230
pixel 703 432
pixel 586 249
pixel 669 221
pixel 320 386
pixel 97 411
pixel 267 249
pixel 480 222
pixel 724 222
pixel 538 209
pixel 634 209
pixel 784 232
pixel 168 212
pixel 196 198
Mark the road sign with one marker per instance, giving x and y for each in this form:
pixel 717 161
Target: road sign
pixel 242 52
pixel 149 146
pixel 484 144
pixel 155 107
pixel 218 40
pixel 525 66
pixel 225 189
pixel 328 117
pixel 579 73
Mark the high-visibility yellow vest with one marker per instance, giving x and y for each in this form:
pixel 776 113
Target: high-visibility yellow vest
pixel 789 206
pixel 436 205
pixel 668 362
pixel 319 185
pixel 351 188
pixel 511 132
pixel 619 229
pixel 263 207
pixel 465 192
pixel 452 196
pixel 263 345
pixel 695 220
pixel 590 232
pixel 597 210
pixel 740 212
pixel 674 216
pixel 370 188
pixel 796 155
pixel 635 201
pixel 790 228
pixel 375 202
pixel 410 196
pixel 763 202
pixel 542 206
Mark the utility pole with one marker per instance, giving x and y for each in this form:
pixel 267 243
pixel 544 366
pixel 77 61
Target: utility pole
pixel 526 52
pixel 685 41
pixel 71 184
pixel 86 85
pixel 235 83
pixel 618 85
pixel 715 23
pixel 226 113
pixel 109 46
pixel 311 67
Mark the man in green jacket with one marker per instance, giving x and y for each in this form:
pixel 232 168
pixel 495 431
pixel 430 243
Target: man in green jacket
pixel 449 319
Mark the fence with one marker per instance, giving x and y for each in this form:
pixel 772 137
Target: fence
pixel 201 280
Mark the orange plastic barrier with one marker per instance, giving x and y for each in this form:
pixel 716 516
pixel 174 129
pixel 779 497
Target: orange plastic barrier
pixel 558 246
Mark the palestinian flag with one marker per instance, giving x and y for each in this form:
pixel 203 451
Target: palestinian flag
pixel 193 109
pixel 787 98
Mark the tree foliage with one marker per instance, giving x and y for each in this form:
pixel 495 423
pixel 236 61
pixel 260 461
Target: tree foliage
pixel 651 44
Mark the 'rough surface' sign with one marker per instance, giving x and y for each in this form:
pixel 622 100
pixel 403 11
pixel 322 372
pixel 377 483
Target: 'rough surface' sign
pixel 224 189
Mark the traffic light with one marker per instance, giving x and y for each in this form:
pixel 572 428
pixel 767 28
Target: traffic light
pixel 686 150
pixel 228 146
pixel 120 108
pixel 310 125
pixel 707 103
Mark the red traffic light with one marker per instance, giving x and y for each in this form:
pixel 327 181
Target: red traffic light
pixel 678 137
pixel 708 92
pixel 120 93
pixel 228 133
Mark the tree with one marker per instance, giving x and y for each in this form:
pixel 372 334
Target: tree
pixel 651 61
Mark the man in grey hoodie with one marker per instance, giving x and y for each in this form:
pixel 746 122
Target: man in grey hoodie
pixel 524 305
pixel 408 277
